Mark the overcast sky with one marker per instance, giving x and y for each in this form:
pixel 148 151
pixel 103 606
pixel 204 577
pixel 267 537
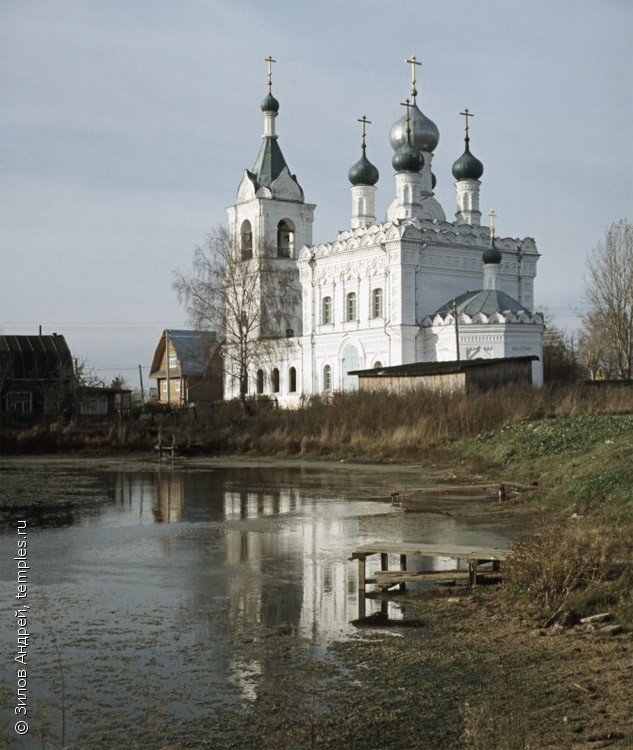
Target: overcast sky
pixel 125 128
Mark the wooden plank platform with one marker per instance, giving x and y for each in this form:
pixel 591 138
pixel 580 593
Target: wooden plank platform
pixel 455 552
pixel 385 578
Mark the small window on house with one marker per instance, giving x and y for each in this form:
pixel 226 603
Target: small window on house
pixel 177 385
pixel 326 311
pixel 292 380
pixel 350 306
pixel 94 405
pixel 164 386
pixel 275 380
pixel 20 402
pixel 173 361
pixel 260 381
pixel 327 378
pixel 285 239
pixel 376 303
pixel 246 240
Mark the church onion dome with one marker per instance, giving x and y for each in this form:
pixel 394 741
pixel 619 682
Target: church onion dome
pixel 491 254
pixel 407 159
pixel 363 172
pixel 467 167
pixel 269 103
pixel 424 133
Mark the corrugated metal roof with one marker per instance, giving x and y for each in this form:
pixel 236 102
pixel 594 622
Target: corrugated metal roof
pixel 36 357
pixel 436 368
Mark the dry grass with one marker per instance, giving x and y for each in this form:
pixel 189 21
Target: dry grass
pixel 358 425
pixel 581 567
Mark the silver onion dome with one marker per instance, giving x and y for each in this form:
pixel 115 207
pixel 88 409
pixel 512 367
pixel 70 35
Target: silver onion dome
pixel 424 133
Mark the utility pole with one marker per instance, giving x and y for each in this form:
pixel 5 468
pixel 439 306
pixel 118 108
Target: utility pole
pixel 456 329
pixel 167 366
pixel 140 375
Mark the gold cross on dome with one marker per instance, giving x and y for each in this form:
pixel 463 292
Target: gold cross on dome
pixel 270 62
pixel 493 215
pixel 467 113
pixel 365 122
pixel 413 62
pixel 408 105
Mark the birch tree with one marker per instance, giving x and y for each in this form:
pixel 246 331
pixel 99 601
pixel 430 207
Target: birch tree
pixel 250 303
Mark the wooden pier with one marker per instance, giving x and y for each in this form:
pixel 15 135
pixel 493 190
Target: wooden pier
pixel 386 579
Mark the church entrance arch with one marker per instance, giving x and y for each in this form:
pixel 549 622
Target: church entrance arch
pixel 350 361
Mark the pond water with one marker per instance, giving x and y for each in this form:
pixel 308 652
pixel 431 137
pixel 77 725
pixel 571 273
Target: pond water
pixel 171 592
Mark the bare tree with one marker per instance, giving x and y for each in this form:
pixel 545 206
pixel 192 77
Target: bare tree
pixel 609 291
pixel 253 304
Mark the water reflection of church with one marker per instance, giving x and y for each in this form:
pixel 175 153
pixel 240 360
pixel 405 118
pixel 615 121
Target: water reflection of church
pixel 275 567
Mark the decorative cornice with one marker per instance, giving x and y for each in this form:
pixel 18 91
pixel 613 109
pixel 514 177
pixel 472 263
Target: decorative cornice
pixel 442 235
pixel 505 317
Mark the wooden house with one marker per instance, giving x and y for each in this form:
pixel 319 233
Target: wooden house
pixel 187 367
pixel 461 375
pixel 34 371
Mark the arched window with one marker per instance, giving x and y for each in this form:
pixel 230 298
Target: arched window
pixel 326 311
pixel 327 378
pixel 260 381
pixel 275 380
pixel 377 364
pixel 292 380
pixel 246 240
pixel 350 306
pixel 285 239
pixel 407 194
pixel 376 303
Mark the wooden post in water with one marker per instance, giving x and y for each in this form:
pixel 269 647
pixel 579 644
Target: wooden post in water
pixel 403 566
pixel 472 573
pixel 361 577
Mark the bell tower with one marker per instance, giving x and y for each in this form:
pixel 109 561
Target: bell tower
pixel 270 220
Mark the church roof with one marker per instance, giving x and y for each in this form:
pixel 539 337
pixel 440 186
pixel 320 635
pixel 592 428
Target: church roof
pixel 483 306
pixel 486 301
pixel 269 163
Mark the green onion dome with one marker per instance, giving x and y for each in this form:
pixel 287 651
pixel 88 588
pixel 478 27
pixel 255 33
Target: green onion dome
pixel 467 167
pixel 269 103
pixel 407 159
pixel 491 254
pixel 363 172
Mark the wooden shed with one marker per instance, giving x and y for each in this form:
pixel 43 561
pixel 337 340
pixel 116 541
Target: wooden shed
pixel 100 403
pixel 462 375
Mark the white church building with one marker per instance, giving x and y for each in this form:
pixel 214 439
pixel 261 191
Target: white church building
pixel 384 292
